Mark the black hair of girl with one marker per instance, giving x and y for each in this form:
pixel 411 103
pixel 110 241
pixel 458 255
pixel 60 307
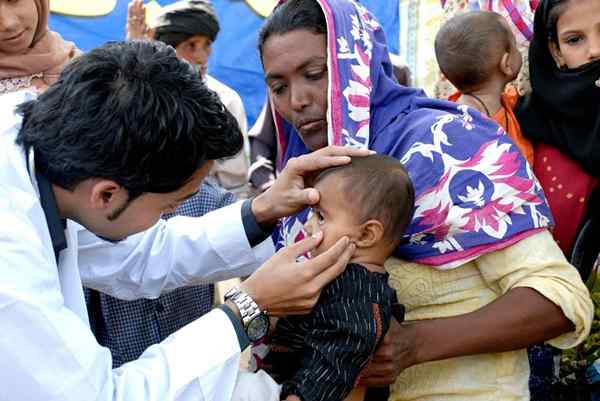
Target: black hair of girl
pixel 557 7
pixel 290 16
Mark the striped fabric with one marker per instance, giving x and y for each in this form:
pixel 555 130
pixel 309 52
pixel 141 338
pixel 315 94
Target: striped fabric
pixel 127 328
pixel 320 356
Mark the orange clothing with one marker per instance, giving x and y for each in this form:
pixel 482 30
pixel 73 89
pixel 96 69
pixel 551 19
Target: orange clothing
pixel 507 120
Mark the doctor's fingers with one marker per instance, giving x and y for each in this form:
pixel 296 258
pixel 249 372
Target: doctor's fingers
pixel 300 248
pixel 327 266
pixel 323 158
pixel 310 277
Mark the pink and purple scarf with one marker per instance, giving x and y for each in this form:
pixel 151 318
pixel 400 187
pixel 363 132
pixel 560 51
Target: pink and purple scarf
pixel 475 192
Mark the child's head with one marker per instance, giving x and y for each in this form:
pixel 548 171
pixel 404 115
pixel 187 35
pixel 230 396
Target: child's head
pixel 573 28
pixel 370 200
pixel 191 27
pixel 476 47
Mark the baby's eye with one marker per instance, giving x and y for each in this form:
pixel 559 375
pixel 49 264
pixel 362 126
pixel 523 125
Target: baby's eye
pixel 320 218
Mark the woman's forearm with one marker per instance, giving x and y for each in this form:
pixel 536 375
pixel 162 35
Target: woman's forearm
pixel 520 318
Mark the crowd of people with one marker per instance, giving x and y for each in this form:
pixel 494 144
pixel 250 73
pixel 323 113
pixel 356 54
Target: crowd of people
pixel 392 246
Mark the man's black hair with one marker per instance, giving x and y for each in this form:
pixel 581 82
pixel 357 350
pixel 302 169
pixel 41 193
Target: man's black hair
pixel 290 16
pixel 380 188
pixel 469 46
pixel 130 112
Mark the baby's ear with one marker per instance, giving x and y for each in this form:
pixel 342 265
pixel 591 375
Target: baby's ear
pixel 506 65
pixel 370 234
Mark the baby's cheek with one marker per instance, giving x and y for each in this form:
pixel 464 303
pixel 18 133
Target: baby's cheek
pixel 323 246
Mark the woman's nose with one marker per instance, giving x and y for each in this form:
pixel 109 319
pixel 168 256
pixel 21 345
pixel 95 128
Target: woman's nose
pixel 299 98
pixel 8 21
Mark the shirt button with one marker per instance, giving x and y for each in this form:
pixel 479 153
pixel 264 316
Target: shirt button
pixel 159 307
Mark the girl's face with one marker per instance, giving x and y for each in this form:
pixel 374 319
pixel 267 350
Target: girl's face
pixel 18 23
pixel 577 34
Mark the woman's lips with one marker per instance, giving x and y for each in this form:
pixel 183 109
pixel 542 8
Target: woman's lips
pixel 15 37
pixel 311 126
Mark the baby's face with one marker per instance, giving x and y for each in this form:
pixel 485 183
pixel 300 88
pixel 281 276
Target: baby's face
pixel 334 215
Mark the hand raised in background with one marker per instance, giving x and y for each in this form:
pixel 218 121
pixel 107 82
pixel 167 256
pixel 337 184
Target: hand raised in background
pixel 136 20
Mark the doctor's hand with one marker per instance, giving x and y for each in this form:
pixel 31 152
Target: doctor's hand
pixel 284 286
pixel 290 194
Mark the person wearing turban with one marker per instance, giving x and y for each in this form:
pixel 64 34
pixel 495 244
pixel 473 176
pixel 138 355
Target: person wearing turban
pixel 191 27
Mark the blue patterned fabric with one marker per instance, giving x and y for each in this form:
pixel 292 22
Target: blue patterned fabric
pixel 127 328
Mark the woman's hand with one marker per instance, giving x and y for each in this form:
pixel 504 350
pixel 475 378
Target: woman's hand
pixel 516 320
pixel 284 286
pixel 136 20
pixel 396 352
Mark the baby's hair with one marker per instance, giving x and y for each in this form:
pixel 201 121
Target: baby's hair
pixel 379 188
pixel 469 47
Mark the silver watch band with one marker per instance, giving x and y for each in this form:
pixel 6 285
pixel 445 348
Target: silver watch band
pixel 245 304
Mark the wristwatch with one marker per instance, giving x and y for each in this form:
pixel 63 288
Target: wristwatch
pixel 255 321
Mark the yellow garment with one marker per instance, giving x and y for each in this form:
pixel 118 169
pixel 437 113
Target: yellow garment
pixel 534 262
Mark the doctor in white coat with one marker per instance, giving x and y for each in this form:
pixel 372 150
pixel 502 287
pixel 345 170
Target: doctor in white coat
pixel 127 134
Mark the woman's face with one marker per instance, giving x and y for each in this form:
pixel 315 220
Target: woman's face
pixel 578 34
pixel 18 23
pixel 295 65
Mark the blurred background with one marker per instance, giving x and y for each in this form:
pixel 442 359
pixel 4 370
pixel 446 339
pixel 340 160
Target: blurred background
pixel 234 61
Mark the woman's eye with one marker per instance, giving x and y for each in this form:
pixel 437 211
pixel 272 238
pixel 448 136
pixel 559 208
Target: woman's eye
pixel 320 218
pixel 315 76
pixel 278 89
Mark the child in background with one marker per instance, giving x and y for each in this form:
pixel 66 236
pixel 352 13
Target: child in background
pixel 320 356
pixel 478 54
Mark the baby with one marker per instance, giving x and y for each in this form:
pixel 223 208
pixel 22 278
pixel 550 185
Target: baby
pixel 320 356
pixel 478 54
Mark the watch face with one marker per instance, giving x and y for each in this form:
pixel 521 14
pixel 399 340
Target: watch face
pixel 258 327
